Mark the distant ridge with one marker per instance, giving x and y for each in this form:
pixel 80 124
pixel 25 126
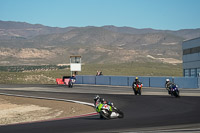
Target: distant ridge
pixel 24 29
pixel 24 43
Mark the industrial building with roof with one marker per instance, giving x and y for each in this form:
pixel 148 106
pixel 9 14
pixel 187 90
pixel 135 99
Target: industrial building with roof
pixel 191 57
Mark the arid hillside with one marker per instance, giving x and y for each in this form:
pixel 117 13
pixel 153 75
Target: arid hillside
pixel 27 44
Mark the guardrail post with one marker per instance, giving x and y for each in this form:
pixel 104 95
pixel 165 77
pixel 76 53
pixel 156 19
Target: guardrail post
pixel 128 81
pixel 149 82
pixel 109 80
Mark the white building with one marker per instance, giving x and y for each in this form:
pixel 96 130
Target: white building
pixel 191 57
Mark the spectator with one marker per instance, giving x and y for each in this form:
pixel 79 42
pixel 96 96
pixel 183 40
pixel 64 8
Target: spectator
pixel 100 73
pixel 97 73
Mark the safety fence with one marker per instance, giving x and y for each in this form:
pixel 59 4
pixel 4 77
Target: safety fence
pixel 182 82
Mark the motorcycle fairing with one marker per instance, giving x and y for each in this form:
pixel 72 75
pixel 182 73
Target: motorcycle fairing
pixel 98 109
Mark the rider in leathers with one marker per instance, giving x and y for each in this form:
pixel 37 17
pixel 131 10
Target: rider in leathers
pixel 168 85
pixel 135 82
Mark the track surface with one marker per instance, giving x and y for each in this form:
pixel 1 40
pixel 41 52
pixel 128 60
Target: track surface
pixel 146 112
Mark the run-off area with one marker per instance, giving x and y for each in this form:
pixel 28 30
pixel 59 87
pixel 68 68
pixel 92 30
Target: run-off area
pixel 19 110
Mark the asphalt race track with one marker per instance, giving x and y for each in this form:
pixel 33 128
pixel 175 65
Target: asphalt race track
pixel 142 113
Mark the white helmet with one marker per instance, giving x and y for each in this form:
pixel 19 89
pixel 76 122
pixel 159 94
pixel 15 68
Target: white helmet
pixel 167 80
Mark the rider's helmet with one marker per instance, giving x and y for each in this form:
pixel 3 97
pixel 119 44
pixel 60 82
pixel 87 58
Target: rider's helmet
pixel 167 80
pixel 96 97
pixel 136 79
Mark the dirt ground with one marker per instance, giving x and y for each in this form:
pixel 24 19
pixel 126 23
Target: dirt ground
pixel 18 109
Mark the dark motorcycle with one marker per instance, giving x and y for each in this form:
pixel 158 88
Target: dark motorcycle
pixel 137 88
pixel 69 81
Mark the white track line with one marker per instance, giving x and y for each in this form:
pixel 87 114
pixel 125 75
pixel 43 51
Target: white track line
pixel 47 98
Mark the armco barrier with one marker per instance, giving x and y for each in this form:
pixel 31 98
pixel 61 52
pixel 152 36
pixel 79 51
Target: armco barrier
pixel 119 80
pixel 103 80
pixel 199 82
pixel 89 80
pixel 158 81
pixel 186 82
pixel 145 81
pixel 182 82
pixel 130 81
pixel 79 79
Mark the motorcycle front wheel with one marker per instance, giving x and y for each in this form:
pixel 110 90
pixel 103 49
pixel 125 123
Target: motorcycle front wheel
pixel 135 92
pixel 121 114
pixel 70 84
pixel 139 91
pixel 176 93
pixel 105 114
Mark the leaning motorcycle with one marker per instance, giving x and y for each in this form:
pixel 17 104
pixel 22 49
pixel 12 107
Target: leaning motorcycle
pixel 174 90
pixel 71 82
pixel 108 112
pixel 137 88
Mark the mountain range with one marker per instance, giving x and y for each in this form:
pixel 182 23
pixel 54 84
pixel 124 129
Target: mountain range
pixel 34 44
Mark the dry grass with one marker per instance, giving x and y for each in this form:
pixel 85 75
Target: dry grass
pixel 125 69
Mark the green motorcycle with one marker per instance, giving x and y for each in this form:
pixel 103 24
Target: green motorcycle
pixel 107 111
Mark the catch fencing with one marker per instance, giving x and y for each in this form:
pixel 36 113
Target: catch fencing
pixel 182 82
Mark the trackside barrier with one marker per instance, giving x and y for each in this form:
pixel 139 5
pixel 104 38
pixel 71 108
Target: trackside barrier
pixel 199 82
pixel 119 81
pixel 182 82
pixel 158 81
pixel 89 79
pixel 103 80
pixel 186 82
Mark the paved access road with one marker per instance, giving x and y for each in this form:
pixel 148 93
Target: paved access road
pixel 142 113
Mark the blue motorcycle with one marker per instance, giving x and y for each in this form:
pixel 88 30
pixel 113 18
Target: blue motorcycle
pixel 174 90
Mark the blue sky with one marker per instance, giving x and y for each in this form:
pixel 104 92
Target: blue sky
pixel 156 14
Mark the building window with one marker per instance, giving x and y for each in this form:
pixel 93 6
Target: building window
pixel 187 72
pixel 198 72
pixel 193 72
pixel 191 50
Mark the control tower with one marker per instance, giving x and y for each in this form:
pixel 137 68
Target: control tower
pixel 75 64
